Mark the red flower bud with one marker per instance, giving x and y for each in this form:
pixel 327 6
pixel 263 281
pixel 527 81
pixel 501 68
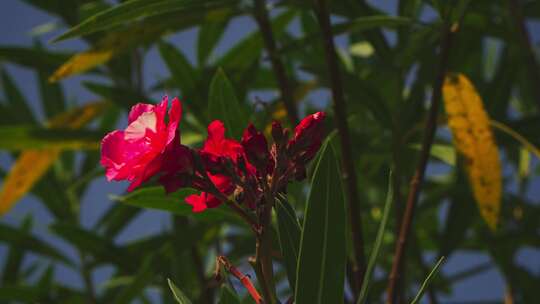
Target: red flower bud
pixel 256 148
pixel 307 137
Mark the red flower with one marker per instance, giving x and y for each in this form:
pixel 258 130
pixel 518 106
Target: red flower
pixel 205 200
pixel 256 149
pixel 138 153
pixel 216 150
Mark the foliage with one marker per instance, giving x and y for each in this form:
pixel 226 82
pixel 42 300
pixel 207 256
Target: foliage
pixel 484 156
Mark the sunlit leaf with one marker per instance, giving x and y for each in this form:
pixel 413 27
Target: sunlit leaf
pixel 135 9
pixel 473 138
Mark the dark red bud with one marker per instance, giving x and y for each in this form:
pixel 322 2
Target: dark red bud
pixel 256 148
pixel 307 134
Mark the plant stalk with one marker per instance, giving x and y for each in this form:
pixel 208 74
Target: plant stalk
pixel 418 177
pixel 523 33
pixel 287 95
pixel 348 171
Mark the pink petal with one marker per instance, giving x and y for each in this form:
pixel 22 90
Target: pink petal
pixel 139 109
pixel 175 114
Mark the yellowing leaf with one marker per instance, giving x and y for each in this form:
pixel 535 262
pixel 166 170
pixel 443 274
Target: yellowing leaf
pixel 111 45
pixel 28 169
pixel 473 138
pixel 32 164
pixel 82 62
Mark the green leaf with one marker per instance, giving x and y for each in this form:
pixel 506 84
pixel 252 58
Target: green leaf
pixel 182 72
pixel 29 137
pixel 378 242
pixel 32 57
pixel 289 232
pixel 16 101
pixel 15 256
pixel 426 282
pixel 354 26
pixel 227 296
pixel 224 106
pixel 26 241
pixel 178 294
pixel 155 198
pixel 27 294
pixel 445 153
pixel 321 264
pixel 209 35
pixel 101 248
pixel 142 278
pixel 136 9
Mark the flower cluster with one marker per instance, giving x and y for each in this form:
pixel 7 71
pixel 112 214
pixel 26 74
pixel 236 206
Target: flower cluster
pixel 246 171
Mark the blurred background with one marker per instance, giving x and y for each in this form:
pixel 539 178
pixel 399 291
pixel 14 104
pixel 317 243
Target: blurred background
pixel 471 274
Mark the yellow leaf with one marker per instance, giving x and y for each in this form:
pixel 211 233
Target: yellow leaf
pixel 473 138
pixel 32 164
pixel 28 169
pixel 82 62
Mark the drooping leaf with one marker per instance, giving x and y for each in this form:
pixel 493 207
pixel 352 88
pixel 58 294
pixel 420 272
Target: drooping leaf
pixel 178 294
pixel 473 138
pixel 136 9
pixel 224 105
pixel 321 263
pixel 289 232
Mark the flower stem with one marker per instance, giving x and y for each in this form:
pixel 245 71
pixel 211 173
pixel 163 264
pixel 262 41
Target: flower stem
pixel 340 111
pixel 418 177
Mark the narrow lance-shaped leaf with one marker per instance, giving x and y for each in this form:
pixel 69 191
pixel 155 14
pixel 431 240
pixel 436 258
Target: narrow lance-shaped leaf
pixel 473 138
pixel 136 9
pixel 378 242
pixel 321 264
pixel 32 164
pixel 289 232
pixel 155 198
pixel 224 105
pixel 427 281
pixel 178 294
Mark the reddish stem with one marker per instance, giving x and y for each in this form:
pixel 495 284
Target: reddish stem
pixel 244 279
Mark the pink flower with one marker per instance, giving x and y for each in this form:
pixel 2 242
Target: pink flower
pixel 140 151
